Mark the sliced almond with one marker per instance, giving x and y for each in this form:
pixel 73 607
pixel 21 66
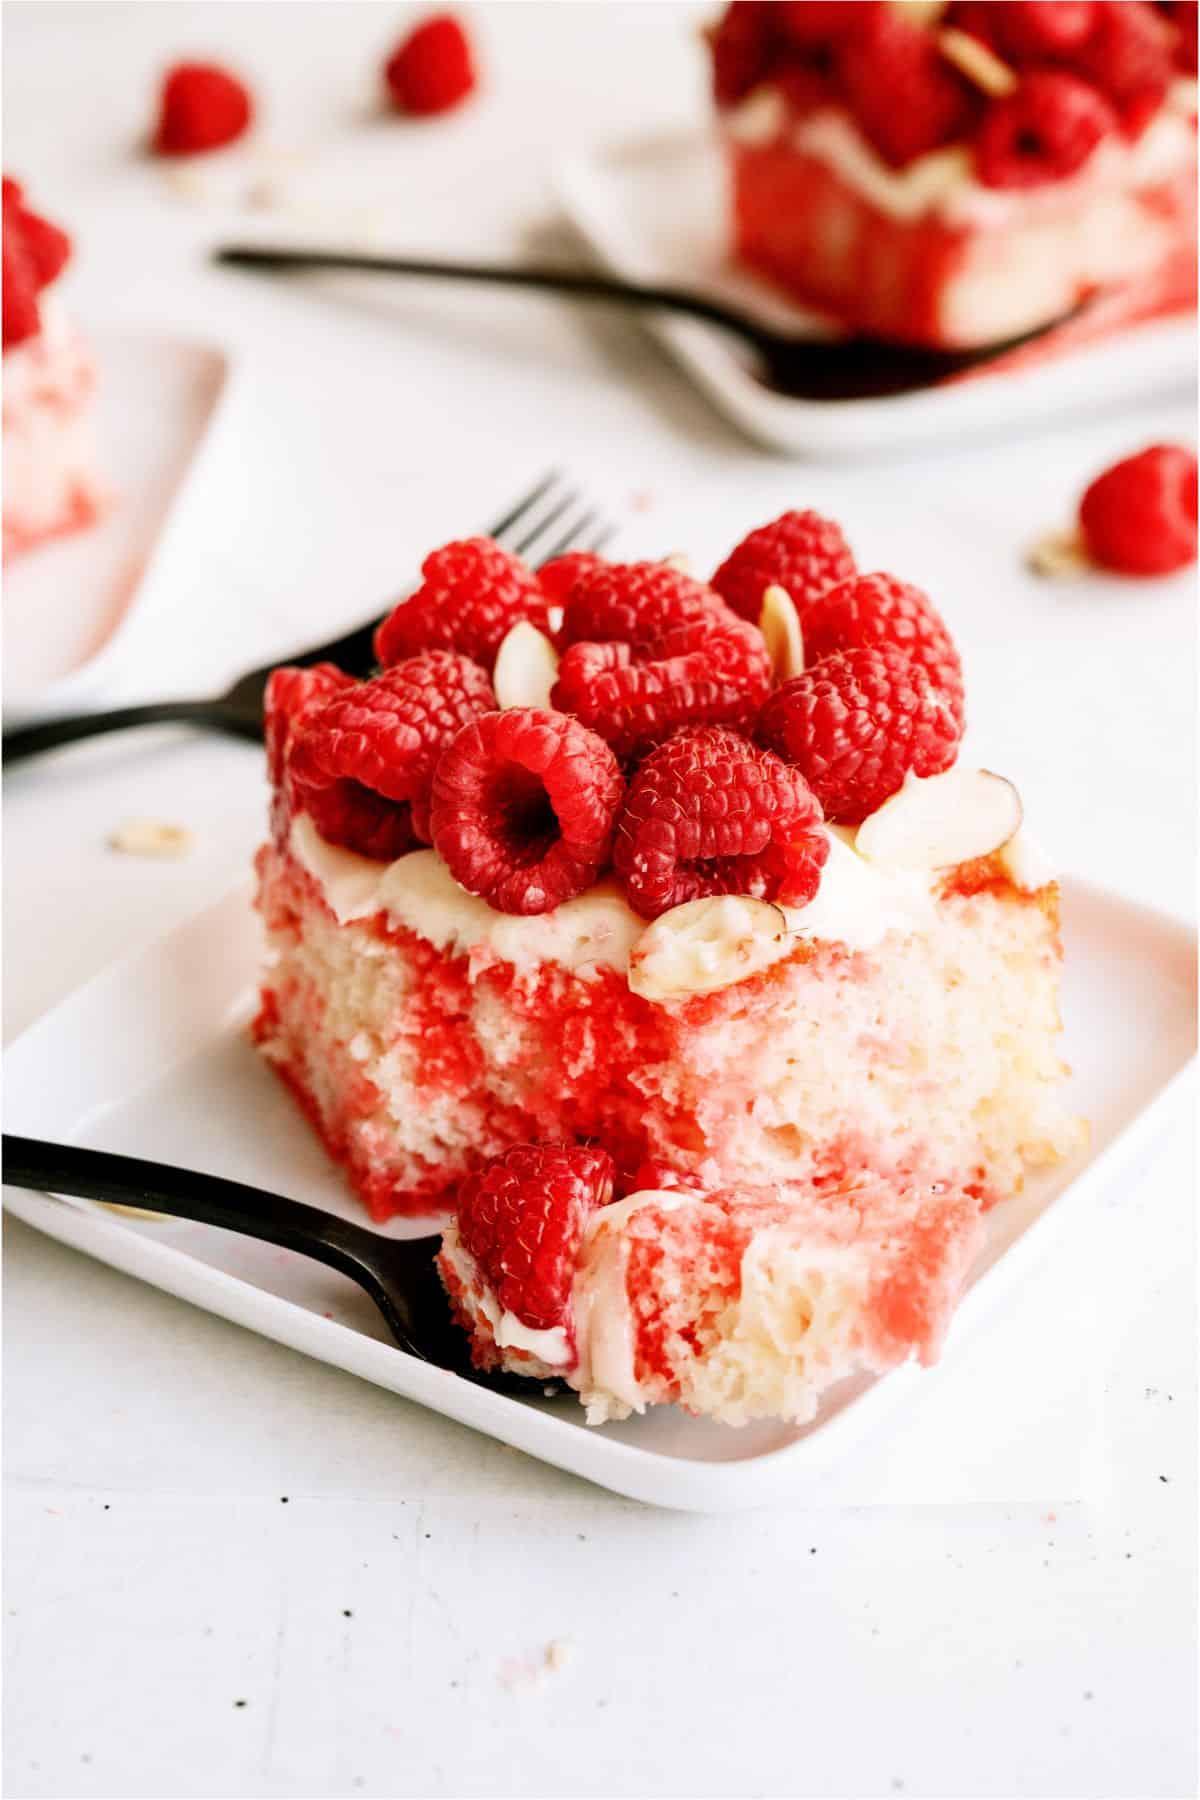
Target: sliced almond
pixel 151 837
pixel 981 66
pixel 706 945
pixel 948 819
pixel 526 667
pixel 779 623
pixel 678 559
pixel 921 12
pixel 1060 556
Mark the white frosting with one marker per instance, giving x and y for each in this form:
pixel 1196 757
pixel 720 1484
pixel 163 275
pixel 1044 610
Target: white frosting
pixel 605 1377
pixel 857 904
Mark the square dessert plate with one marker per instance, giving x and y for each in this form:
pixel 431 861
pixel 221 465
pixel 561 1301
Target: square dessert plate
pixel 151 1058
pixel 69 604
pixel 656 209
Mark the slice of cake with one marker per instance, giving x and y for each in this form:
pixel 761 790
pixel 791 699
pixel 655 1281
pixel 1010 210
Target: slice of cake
pixel 958 175
pixel 50 481
pixel 738 931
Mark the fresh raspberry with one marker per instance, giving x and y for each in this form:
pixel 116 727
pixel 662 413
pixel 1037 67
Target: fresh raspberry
pixel 1044 131
pixel 648 650
pixel 1129 55
pixel 904 94
pixel 201 107
pixel 1040 30
pixel 856 724
pixel 432 70
pixel 1182 15
pixel 878 609
pixel 522 1218
pixel 35 252
pixel 801 552
pixel 1139 517
pixel 524 807
pixel 472 594
pixel 811 23
pixel 558 576
pixel 742 43
pixel 291 697
pixel 387 734
pixel 349 815
pixel 710 813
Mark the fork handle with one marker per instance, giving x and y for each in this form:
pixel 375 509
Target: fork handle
pixel 210 1200
pixel 32 740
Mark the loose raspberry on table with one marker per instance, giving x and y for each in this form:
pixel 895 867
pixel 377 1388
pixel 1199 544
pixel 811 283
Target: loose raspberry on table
pixel 522 1217
pixel 201 107
pixel 524 807
pixel 648 650
pixel 1139 517
pixel 904 94
pixel 879 610
pixel 1129 55
pixel 472 594
pixel 387 734
pixel 856 724
pixel 800 551
pixel 710 813
pixel 433 69
pixel 1044 131
pixel 743 42
pixel 558 576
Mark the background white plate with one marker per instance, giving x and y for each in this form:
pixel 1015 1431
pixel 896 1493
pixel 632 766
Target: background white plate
pixel 68 604
pixel 656 209
pixel 151 1058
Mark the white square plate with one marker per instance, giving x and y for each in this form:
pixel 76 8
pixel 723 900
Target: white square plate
pixel 151 1058
pixel 656 209
pixel 68 605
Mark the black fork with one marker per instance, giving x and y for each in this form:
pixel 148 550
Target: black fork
pixel 397 1273
pixel 551 518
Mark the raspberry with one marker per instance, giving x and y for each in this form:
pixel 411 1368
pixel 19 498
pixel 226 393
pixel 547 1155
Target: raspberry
pixel 856 724
pixel 1044 131
pixel 801 552
pixel 811 23
pixel 557 577
pixel 473 592
pixel 432 70
pixel 35 252
pixel 878 609
pixel 649 649
pixel 202 107
pixel 354 818
pixel 1139 517
pixel 1041 30
pixel 387 734
pixel 292 696
pixel 1182 15
pixel 1129 56
pixel 904 94
pixel 524 807
pixel 710 813
pixel 742 43
pixel 522 1217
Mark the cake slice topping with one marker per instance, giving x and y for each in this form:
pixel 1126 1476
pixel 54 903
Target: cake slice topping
pixel 951 818
pixel 878 609
pixel 472 594
pixel 800 551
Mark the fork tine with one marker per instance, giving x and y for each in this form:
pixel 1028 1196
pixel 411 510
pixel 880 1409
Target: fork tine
pixel 524 505
pixel 576 536
pixel 562 504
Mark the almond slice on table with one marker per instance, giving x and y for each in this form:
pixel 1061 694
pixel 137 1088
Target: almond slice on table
pixel 526 667
pixel 705 945
pixel 947 819
pixel 779 623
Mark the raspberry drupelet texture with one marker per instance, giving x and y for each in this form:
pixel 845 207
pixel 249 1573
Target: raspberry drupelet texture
pixel 387 734
pixel 433 69
pixel 202 107
pixel 648 650
pixel 291 697
pixel 856 725
pixel 472 593
pixel 524 807
pixel 710 813
pixel 880 610
pixel 1139 517
pixel 558 576
pixel 522 1218
pixel 1045 131
pixel 801 551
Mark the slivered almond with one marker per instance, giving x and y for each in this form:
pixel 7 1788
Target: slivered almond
pixel 706 945
pixel 151 837
pixel 526 667
pixel 1059 555
pixel 945 820
pixel 779 623
pixel 981 66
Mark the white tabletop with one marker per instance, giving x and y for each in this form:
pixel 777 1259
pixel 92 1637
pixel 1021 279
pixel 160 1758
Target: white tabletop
pixel 234 1572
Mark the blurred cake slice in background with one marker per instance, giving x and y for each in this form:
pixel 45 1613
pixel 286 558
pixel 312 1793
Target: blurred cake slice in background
pixel 51 485
pixel 958 175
